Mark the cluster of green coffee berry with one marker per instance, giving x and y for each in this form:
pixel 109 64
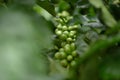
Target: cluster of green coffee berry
pixel 66 52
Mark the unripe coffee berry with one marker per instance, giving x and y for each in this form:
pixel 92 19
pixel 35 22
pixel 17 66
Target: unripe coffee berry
pixel 59 26
pixel 59 14
pixel 67 48
pixel 58 32
pixel 72 46
pixel 65 14
pixel 70 28
pixel 57 55
pixel 73 63
pixel 74 36
pixel 73 32
pixel 66 33
pixel 61 50
pixel 74 53
pixel 63 55
pixel 75 27
pixel 63 44
pixel 64 63
pixel 69 39
pixel 64 28
pixel 63 36
pixel 69 57
pixel 74 39
pixel 70 17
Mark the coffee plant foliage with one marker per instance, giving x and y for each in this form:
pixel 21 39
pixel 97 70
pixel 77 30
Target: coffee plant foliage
pixel 59 39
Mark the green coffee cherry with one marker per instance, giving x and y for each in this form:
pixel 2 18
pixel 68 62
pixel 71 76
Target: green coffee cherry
pixel 58 32
pixel 63 44
pixel 66 33
pixel 74 53
pixel 73 63
pixel 64 63
pixel 61 49
pixel 63 36
pixel 69 17
pixel 70 28
pixel 64 28
pixel 65 13
pixel 60 20
pixel 69 57
pixel 72 46
pixel 59 14
pixel 71 35
pixel 57 55
pixel 74 39
pixel 59 26
pixel 63 55
pixel 67 48
pixel 75 27
pixel 60 55
pixel 74 36
pixel 73 32
pixel 69 39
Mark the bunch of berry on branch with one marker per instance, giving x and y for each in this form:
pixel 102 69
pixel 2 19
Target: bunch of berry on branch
pixel 66 52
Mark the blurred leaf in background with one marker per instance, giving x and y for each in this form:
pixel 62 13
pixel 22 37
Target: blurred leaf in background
pixel 22 40
pixel 26 39
pixel 110 67
pixel 47 5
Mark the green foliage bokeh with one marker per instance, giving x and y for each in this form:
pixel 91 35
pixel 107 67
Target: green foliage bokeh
pixel 27 39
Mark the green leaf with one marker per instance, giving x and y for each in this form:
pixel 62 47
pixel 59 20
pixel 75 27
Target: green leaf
pixel 48 6
pixel 22 40
pixel 110 67
pixel 99 46
pixel 97 3
pixel 71 1
pixel 107 17
pixel 89 71
pixel 63 5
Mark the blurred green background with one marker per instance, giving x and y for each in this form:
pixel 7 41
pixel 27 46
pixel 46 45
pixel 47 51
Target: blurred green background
pixel 27 39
